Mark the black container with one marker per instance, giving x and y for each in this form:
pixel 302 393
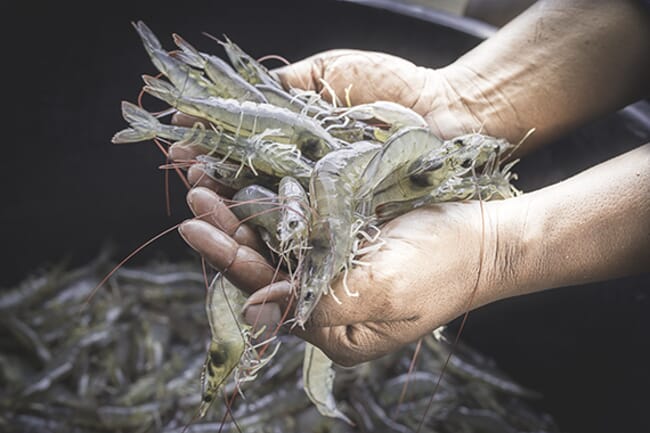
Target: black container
pixel 67 191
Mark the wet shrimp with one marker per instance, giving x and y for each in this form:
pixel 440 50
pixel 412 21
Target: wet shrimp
pixel 257 153
pixel 332 192
pixel 181 75
pixel 259 207
pixel 248 119
pixel 222 75
pixel 318 382
pixel 230 350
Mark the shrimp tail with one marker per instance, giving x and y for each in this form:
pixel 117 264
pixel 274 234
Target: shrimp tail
pixel 149 40
pixel 144 125
pixel 160 89
pixel 130 135
pixel 188 53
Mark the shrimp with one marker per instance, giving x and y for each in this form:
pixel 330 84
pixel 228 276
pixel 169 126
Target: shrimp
pixel 392 163
pixel 227 344
pixel 231 84
pixel 248 119
pixel 249 68
pixel 456 155
pixel 232 175
pixel 259 206
pixel 318 382
pixel 293 226
pixel 230 350
pixel 454 158
pixel 395 115
pixel 181 75
pixel 271 158
pixel 332 192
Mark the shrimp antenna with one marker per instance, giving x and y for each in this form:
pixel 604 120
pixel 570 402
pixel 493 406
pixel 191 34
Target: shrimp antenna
pixel 214 38
pixel 467 309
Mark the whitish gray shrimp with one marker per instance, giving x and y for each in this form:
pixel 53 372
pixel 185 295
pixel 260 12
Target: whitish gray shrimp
pixel 293 227
pixel 249 119
pixel 181 75
pixel 318 382
pixel 230 344
pixel 259 154
pixel 259 207
pixel 228 82
pixel 332 192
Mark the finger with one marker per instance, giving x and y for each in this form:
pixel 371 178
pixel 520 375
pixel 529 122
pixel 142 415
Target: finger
pixel 182 119
pixel 243 266
pixel 208 206
pixel 308 73
pixel 196 176
pixel 266 316
pixel 184 152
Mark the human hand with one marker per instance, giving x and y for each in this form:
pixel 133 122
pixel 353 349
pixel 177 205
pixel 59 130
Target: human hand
pixel 423 276
pixel 373 76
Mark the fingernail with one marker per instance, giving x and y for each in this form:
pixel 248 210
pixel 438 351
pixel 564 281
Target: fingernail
pixel 189 198
pixel 181 231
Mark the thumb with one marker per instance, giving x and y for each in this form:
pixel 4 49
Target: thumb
pixel 309 73
pixel 304 74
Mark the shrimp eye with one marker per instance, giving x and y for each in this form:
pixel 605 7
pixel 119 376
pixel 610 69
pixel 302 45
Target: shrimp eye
pixel 311 148
pixel 309 296
pixel 207 398
pixel 293 224
pixel 216 358
pixel 467 163
pixel 458 142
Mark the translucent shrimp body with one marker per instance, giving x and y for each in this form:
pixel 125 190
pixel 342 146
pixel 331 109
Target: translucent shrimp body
pixel 248 119
pixel 227 344
pixel 181 75
pixel 228 83
pixel 332 191
pixel 259 154
pixel 258 206
pixel 318 381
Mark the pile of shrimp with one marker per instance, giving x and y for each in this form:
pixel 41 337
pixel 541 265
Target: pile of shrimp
pixel 122 364
pixel 314 176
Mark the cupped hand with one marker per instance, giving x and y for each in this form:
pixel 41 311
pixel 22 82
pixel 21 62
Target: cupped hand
pixel 422 276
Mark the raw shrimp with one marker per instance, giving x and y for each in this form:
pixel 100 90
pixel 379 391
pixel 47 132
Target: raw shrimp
pixel 395 115
pixel 248 119
pixel 274 159
pixel 332 192
pixel 181 75
pixel 224 78
pixel 293 227
pixel 227 344
pixel 259 207
pixel 249 68
pixel 318 382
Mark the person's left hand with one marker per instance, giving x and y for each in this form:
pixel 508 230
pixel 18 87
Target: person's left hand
pixel 423 276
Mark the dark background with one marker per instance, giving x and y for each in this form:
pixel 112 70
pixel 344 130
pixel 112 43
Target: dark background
pixel 66 191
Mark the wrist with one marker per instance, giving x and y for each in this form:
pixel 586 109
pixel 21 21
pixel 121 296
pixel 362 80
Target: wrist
pixel 511 255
